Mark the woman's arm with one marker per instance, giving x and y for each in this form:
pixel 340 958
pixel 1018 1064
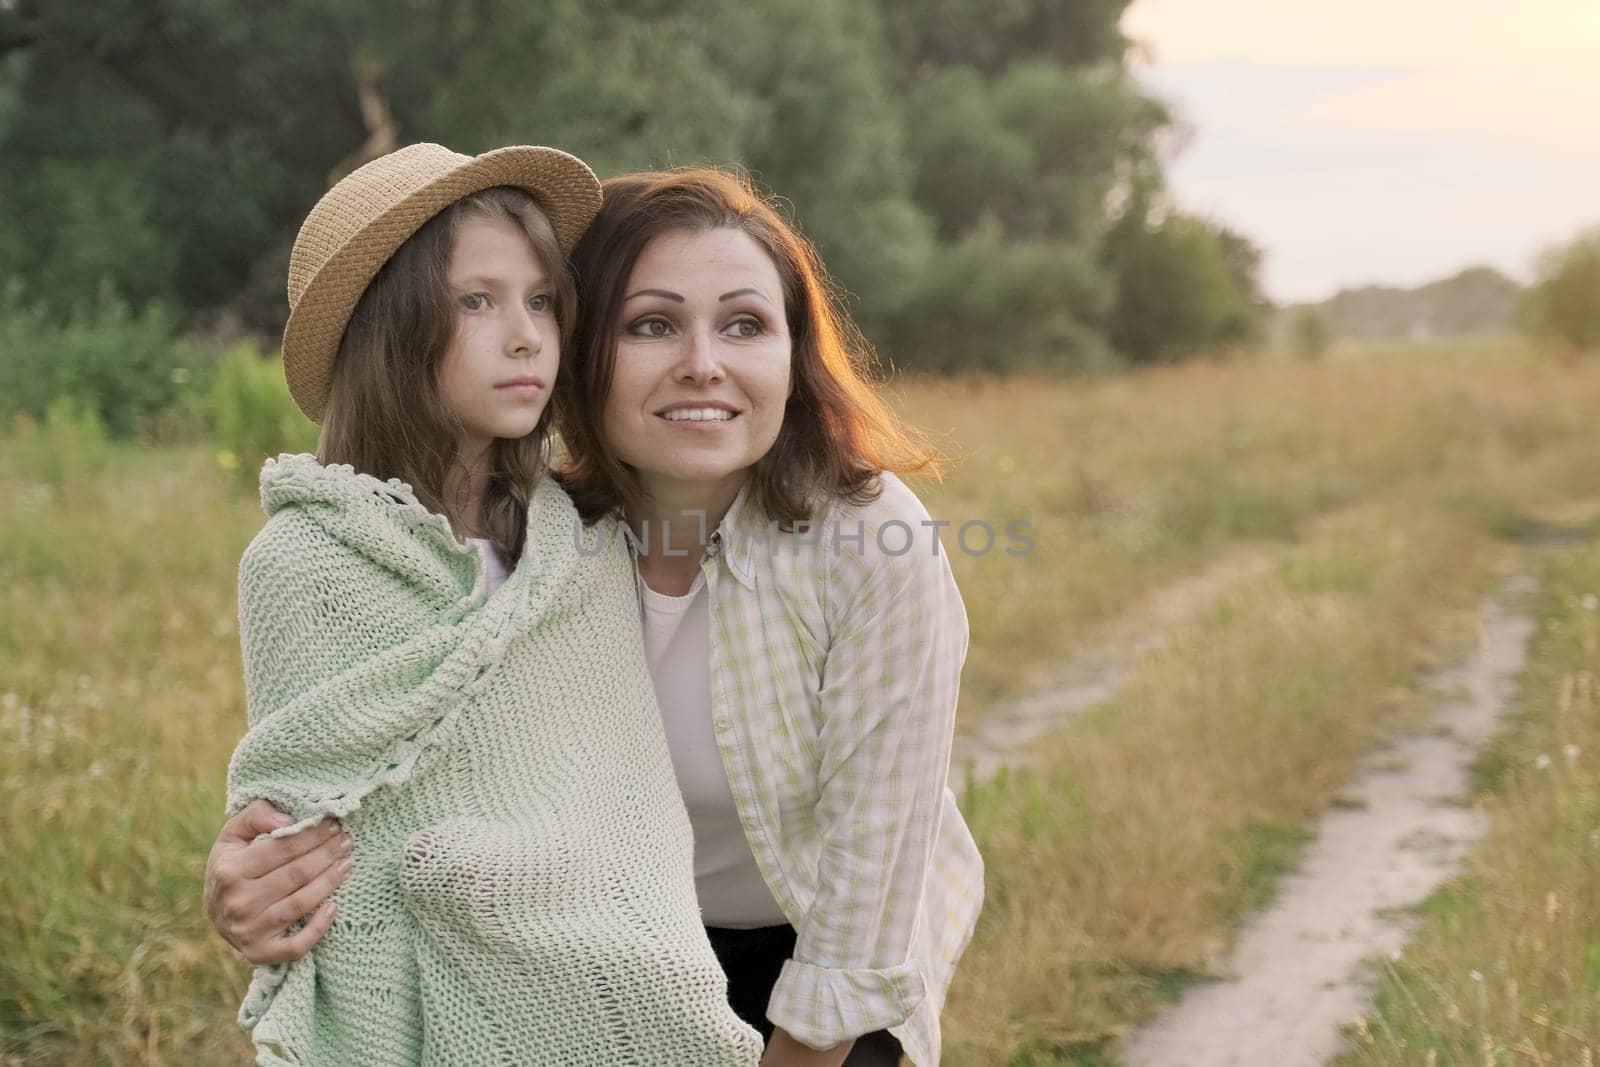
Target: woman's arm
pixel 256 886
pixel 897 639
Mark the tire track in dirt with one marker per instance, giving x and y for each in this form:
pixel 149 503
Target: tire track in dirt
pixel 1007 734
pixel 1297 972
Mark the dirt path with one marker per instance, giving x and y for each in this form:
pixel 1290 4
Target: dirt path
pixel 1297 971
pixel 1006 734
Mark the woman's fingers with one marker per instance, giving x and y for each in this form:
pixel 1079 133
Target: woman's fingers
pixel 286 948
pixel 291 877
pixel 299 903
pixel 264 855
pixel 258 886
pixel 255 818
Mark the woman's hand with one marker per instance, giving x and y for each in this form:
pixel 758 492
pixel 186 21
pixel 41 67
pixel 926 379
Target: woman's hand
pixel 256 887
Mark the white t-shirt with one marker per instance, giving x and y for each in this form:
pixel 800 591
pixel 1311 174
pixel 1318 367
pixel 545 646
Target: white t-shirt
pixel 492 563
pixel 677 645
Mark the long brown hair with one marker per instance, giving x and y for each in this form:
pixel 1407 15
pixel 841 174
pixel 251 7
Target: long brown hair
pixel 384 415
pixel 837 434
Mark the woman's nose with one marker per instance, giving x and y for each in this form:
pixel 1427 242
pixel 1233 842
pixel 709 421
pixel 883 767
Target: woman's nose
pixel 698 361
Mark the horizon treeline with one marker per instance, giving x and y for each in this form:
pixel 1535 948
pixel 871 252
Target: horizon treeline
pixel 985 181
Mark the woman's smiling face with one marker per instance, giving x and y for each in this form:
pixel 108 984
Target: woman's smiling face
pixel 702 369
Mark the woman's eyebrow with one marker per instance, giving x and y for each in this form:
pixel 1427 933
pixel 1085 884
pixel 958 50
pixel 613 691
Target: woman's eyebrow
pixel 745 291
pixel 663 293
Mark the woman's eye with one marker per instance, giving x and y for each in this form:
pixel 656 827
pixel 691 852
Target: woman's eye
pixel 650 328
pixel 542 302
pixel 745 328
pixel 474 301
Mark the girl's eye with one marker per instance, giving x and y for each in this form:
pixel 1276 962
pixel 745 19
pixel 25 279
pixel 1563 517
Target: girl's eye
pixel 541 302
pixel 745 328
pixel 650 328
pixel 474 301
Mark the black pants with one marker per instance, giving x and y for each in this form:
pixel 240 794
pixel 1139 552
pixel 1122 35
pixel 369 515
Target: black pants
pixel 753 959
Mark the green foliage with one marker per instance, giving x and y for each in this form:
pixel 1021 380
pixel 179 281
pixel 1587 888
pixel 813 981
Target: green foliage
pixel 123 365
pixel 1016 169
pixel 166 152
pixel 1563 305
pixel 1179 288
pixel 995 303
pixel 992 35
pixel 254 417
pixel 965 156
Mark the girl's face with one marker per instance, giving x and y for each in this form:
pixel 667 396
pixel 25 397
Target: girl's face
pixel 702 363
pixel 500 366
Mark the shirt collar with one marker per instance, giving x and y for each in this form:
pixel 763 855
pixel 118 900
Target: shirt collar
pixel 741 530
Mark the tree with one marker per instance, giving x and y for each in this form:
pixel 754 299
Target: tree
pixel 992 302
pixel 1563 304
pixel 992 35
pixel 165 151
pixel 1183 286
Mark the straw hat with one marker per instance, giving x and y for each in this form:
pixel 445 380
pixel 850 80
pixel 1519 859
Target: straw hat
pixel 370 213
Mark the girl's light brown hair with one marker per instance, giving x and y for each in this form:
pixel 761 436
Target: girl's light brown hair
pixel 837 434
pixel 384 415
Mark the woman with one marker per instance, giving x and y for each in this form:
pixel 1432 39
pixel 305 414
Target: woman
pixel 803 629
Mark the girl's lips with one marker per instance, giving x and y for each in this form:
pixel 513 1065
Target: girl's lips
pixel 522 387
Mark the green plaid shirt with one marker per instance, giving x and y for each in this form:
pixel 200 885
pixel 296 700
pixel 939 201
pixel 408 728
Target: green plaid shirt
pixel 836 655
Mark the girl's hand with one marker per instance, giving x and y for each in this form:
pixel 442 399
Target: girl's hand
pixel 257 886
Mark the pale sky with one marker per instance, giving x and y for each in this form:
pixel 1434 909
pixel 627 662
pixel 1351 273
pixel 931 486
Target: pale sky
pixel 1391 141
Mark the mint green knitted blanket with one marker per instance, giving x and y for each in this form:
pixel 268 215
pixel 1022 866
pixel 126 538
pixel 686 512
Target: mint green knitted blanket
pixel 523 889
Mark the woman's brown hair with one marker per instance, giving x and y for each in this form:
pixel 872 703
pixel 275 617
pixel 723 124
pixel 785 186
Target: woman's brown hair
pixel 384 415
pixel 837 434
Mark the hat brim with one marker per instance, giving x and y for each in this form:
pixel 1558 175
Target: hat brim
pixel 566 190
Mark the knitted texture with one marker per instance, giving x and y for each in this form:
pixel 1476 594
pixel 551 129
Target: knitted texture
pixel 523 889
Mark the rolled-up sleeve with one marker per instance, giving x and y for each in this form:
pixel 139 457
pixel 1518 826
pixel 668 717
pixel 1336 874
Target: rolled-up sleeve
pixel 897 639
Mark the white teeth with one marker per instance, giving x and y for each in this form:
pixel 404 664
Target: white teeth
pixel 698 415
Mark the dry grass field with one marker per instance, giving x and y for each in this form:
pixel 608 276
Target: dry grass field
pixel 1387 486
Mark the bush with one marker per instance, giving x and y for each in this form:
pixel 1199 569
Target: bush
pixel 1184 287
pixel 991 302
pixel 253 415
pixel 1563 305
pixel 124 365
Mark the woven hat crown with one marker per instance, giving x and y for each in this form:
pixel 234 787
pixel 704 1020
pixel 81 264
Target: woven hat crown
pixel 358 200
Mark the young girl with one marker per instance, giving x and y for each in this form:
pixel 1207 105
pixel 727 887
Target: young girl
pixel 520 888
